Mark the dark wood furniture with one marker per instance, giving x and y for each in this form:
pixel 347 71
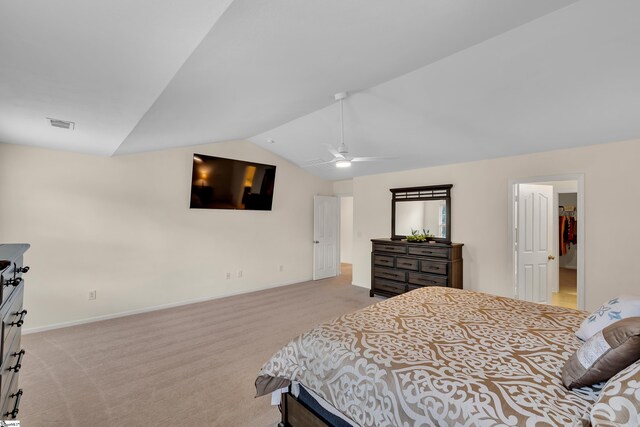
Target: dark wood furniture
pixel 297 414
pixel 12 315
pixel 401 266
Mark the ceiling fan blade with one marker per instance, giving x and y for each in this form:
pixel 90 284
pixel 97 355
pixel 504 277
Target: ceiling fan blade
pixel 334 152
pixel 371 159
pixel 308 165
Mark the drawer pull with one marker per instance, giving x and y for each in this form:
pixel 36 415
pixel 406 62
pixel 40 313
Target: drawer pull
pixel 14 282
pixel 433 267
pixel 14 413
pixel 23 269
pixel 18 365
pixel 406 263
pixel 20 321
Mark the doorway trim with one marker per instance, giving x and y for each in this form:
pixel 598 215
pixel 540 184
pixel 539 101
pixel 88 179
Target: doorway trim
pixel 579 177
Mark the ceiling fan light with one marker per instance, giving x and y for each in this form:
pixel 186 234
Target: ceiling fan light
pixel 343 163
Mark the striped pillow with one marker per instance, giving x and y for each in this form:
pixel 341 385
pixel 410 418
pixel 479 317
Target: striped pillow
pixel 604 354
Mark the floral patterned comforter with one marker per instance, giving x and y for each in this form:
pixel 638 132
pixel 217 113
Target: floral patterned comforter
pixel 440 356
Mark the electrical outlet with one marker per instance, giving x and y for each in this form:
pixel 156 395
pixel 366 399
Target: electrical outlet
pixel 92 295
pixel 281 268
pixel 228 276
pixel 239 274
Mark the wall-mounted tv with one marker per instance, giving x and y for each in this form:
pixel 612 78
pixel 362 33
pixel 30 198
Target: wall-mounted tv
pixel 219 183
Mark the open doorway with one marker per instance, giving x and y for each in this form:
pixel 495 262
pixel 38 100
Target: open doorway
pixel 346 235
pixel 566 293
pixel 547 234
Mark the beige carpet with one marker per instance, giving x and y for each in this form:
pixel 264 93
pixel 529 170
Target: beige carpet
pixel 193 365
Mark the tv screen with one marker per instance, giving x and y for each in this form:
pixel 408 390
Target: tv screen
pixel 219 183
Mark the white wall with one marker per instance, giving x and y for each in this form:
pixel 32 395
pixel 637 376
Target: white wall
pixel 346 229
pixel 122 226
pixel 480 206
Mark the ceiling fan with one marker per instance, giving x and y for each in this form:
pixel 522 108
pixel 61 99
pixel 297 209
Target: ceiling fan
pixel 341 157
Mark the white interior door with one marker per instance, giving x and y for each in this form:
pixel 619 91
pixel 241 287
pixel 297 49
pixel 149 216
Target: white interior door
pixel 534 242
pixel 326 223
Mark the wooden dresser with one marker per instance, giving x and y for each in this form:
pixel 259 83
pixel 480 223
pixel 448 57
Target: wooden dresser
pixel 398 266
pixel 12 314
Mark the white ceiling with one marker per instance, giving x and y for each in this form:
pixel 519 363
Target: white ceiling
pixel 100 64
pixel 432 82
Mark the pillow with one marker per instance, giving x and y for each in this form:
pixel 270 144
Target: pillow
pixel 613 310
pixel 604 354
pixel 619 400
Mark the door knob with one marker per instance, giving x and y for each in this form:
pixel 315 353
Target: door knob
pixel 316 241
pixel 551 257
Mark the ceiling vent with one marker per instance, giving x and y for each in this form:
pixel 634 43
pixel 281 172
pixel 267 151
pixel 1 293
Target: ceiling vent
pixel 62 124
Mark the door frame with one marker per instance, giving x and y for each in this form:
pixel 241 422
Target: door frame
pixel 579 177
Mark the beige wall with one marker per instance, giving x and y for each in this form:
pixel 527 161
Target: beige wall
pixel 122 226
pixel 346 229
pixel 480 206
pixel 343 188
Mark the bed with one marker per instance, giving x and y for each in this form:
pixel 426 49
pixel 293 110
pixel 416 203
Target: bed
pixel 433 356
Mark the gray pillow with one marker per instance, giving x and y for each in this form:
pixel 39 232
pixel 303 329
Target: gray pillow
pixel 603 355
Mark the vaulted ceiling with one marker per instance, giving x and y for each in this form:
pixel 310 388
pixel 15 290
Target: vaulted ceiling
pixel 430 82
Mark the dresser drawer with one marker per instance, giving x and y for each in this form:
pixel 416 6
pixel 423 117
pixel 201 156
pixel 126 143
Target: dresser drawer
pixel 389 286
pixel 387 261
pixel 389 274
pixel 429 251
pixel 6 269
pixel 388 247
pixel 402 266
pixel 11 403
pixel 12 365
pixel 420 279
pixel 9 281
pixel 433 267
pixel 407 263
pixel 12 322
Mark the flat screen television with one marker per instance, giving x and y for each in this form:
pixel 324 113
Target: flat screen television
pixel 219 183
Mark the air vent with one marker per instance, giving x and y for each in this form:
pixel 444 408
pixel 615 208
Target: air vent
pixel 62 124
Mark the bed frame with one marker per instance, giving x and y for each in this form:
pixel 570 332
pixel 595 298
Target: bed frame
pixel 297 414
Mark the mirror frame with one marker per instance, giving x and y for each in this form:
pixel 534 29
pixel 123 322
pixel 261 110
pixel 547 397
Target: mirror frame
pixel 413 194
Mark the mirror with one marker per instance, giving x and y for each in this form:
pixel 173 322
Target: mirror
pixel 428 217
pixel 424 209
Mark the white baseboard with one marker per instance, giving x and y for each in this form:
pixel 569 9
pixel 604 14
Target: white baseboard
pixel 152 308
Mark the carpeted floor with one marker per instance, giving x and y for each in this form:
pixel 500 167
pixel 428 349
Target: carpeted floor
pixel 193 365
